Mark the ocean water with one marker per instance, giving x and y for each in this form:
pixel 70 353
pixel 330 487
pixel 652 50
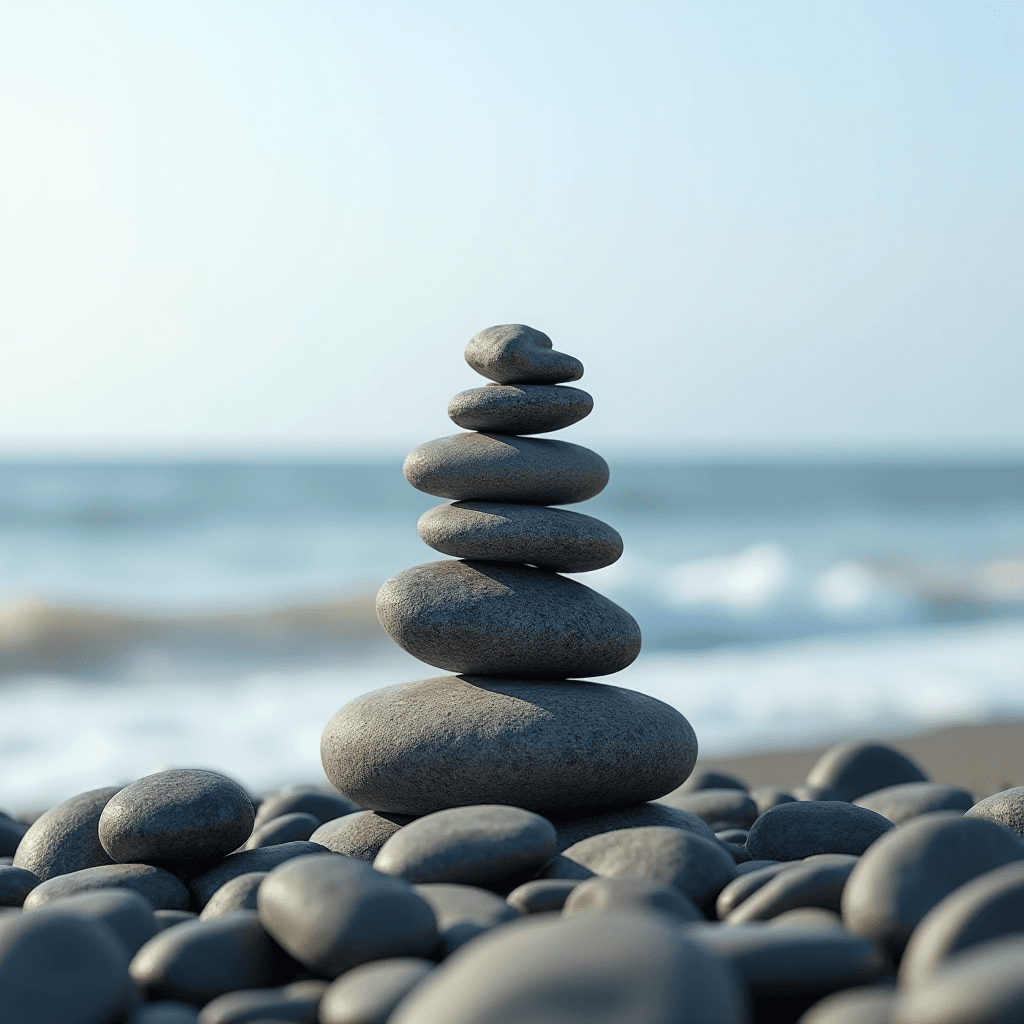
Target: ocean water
pixel 218 614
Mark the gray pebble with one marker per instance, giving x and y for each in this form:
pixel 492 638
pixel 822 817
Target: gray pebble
pixel 500 467
pixel 176 817
pixel 15 885
pixel 748 867
pixel 709 778
pixel 988 907
pixel 909 799
pixel 730 807
pixel 169 918
pixel 770 796
pixel 333 913
pixel 869 1004
pixel 631 895
pixel 542 895
pixel 11 834
pixel 57 968
pixel 476 845
pixel 917 864
pixel 509 621
pixel 743 886
pixel 323 806
pixel 732 836
pixel 810 885
pixel 360 835
pixel 517 354
pixel 297 1003
pixel 519 408
pixel 246 861
pixel 807 917
pixel 127 914
pixel 852 769
pixel 697 867
pixel 549 747
pixel 66 838
pixel 552 538
pixel 463 912
pixel 1006 809
pixel 796 830
pixel 738 853
pixel 200 960
pixel 238 893
pixel 286 829
pixel 166 1011
pixel 628 968
pixel 159 887
pixel 368 994
pixel 576 829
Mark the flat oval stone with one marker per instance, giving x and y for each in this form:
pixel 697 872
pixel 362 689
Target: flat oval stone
pixel 1006 809
pixel 743 886
pixel 368 994
pixel 551 538
pixel 360 835
pixel 506 621
pixel 463 912
pixel 264 859
pixel 909 799
pixel 628 969
pixel 517 354
pixel 631 895
pixel 549 747
pixel 850 770
pixel 160 887
pixel 288 828
pixel 807 917
pixel 500 467
pixel 910 869
pixel 541 895
pixel 15 885
pixel 237 894
pixel 477 845
pixel 127 914
pixel 868 1004
pixel 810 885
pixel 793 831
pixel 169 918
pixel 297 1002
pixel 715 805
pixel 579 827
pixel 519 408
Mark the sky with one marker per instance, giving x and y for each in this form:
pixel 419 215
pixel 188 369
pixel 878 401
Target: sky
pixel 270 227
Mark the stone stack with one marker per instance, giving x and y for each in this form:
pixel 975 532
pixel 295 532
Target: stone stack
pixel 511 724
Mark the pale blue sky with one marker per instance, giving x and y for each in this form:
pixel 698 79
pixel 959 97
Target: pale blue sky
pixel 764 226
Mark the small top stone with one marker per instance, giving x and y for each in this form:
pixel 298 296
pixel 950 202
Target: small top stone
pixel 517 354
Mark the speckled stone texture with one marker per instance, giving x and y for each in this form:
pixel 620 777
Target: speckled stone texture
pixel 1005 808
pixel 499 467
pixel 509 621
pixel 549 747
pixel 519 408
pixel 517 354
pixel 793 831
pixel 580 827
pixel 160 887
pixel 463 912
pixel 552 538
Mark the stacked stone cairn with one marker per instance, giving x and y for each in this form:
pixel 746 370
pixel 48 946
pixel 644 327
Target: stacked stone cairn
pixel 489 852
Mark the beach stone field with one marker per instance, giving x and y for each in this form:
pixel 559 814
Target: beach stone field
pixel 510 843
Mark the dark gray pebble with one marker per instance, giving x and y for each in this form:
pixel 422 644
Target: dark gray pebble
pixel 1006 809
pixel 793 831
pixel 127 914
pixel 297 1003
pixel 244 863
pixel 868 1004
pixel 852 769
pixel 476 845
pixel 810 885
pixel 754 865
pixel 332 913
pixel 15 885
pixel 575 830
pixel 238 893
pixel 360 835
pixel 200 960
pixel 507 621
pixel 519 408
pixel 770 796
pixel 631 895
pixel 11 834
pixel 463 912
pixel 169 918
pixel 909 799
pixel 499 467
pixel 165 1011
pixel 159 887
pixel 732 836
pixel 916 865
pixel 323 806
pixel 286 829
pixel 542 895
pixel 517 354
pixel 368 994
pixel 743 886
pixel 549 747
pixel 730 807
pixel 709 778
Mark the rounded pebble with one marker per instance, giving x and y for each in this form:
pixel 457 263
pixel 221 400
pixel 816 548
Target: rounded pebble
pixel 159 887
pixel 238 893
pixel 286 829
pixel 631 895
pixel 368 994
pixel 850 770
pixel 542 895
pixel 245 862
pixel 463 912
pixel 909 799
pixel 869 1004
pixel 576 829
pixel 519 408
pixel 744 885
pixel 169 918
pixel 732 807
pixel 517 354
pixel 709 778
pixel 15 885
pixel 807 917
pixel 792 831
pixel 1005 808
pixel 770 796
pixel 127 914
pixel 297 1003
pixel 11 834
pixel 810 885
pixel 360 835
pixel 323 806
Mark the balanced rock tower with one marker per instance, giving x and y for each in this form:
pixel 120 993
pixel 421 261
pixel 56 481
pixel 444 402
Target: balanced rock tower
pixel 512 724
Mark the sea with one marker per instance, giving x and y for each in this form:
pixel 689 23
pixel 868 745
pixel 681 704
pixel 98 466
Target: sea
pixel 217 614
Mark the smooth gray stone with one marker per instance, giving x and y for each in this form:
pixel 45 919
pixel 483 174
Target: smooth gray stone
pixel 66 837
pixel 551 538
pixel 333 913
pixel 61 969
pixel 245 862
pixel 810 885
pixel 368 994
pixel 986 908
pixel 323 806
pixel 909 799
pixel 288 828
pixel 576 829
pixel 982 985
pixel 854 769
pixel 910 869
pixel 738 853
pixel 807 917
pixel 731 806
pixel 869 1004
pixel 478 845
pixel 166 1011
pixel 506 621
pixel 238 893
pixel 519 408
pixel 709 778
pixel 12 832
pixel 297 1002
pixel 360 835
pixel 624 969
pixel 15 885
pixel 542 895
pixel 630 895
pixel 160 887
pixel 744 885
pixel 770 796
pixel 1005 808
pixel 517 354
pixel 796 830
pixel 200 960
pixel 169 918
pixel 176 817
pixel 127 914
pixel 750 866
pixel 697 867
pixel 500 467
pixel 549 747
pixel 732 836
pixel 463 912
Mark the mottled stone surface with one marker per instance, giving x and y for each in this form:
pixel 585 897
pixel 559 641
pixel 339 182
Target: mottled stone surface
pixel 792 831
pixel 549 747
pixel 909 799
pixel 552 538
pixel 463 912
pixel 297 1003
pixel 500 467
pixel 517 354
pixel 579 827
pixel 810 885
pixel 1005 808
pixel 630 895
pixel 368 994
pixel 360 835
pixel 850 770
pixel 160 887
pixel 264 859
pixel 519 408
pixel 507 621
